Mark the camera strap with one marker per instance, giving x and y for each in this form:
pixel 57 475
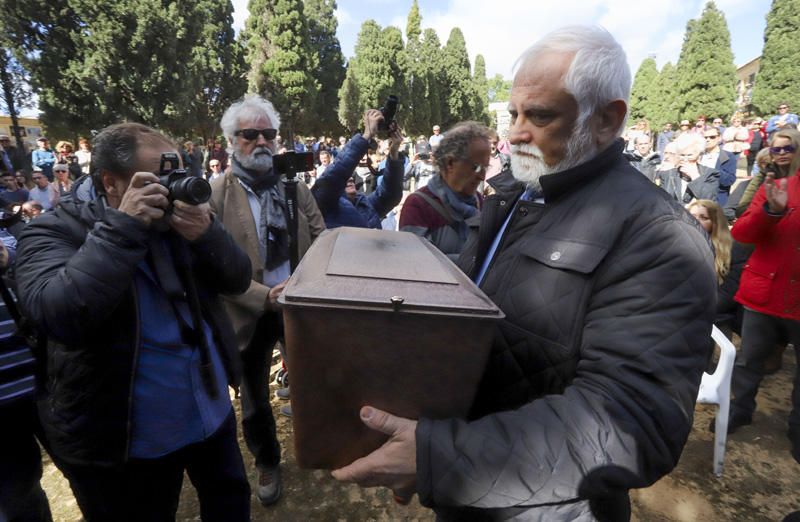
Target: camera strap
pixel 193 334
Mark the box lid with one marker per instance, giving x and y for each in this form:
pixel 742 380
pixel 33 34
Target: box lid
pixel 379 269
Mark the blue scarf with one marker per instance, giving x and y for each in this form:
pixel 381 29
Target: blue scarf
pixel 463 207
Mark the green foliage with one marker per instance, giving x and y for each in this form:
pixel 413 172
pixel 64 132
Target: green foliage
pixel 218 69
pixel 777 80
pixel 413 24
pixel 706 74
pixel 664 108
pixel 169 68
pixel 642 99
pixel 481 86
pixel 499 89
pixel 459 88
pixel 349 101
pixel 416 113
pixel 376 71
pixel 330 71
pixel 281 60
pixel 432 57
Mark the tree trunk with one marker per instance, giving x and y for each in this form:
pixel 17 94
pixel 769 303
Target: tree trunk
pixel 8 95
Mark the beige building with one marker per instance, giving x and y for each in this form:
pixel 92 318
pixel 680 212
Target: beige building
pixel 30 127
pixel 745 80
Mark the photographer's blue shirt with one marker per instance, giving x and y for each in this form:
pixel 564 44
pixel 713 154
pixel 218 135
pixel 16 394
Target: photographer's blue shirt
pixel 171 408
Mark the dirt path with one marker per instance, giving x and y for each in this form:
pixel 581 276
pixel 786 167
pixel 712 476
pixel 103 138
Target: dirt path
pixel 761 481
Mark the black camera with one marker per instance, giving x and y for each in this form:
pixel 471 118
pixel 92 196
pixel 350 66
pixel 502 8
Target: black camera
pixel 389 110
pixel 181 185
pixel 290 163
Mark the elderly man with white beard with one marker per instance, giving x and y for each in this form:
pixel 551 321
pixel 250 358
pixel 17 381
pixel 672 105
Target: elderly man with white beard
pixel 249 200
pixel 608 289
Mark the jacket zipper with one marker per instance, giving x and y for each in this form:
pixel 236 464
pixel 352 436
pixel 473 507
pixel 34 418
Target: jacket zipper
pixel 137 342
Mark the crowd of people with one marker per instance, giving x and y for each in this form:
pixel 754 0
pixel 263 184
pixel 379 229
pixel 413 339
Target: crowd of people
pixel 149 308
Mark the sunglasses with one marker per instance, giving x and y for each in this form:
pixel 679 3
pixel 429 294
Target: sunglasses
pixel 783 107
pixel 780 150
pixel 252 134
pixel 711 137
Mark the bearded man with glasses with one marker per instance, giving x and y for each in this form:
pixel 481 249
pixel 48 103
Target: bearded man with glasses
pixel 251 126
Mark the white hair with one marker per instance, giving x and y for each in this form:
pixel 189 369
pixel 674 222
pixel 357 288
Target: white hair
pixel 251 105
pixel 599 72
pixel 688 143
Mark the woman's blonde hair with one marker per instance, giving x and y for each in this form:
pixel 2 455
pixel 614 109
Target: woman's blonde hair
pixel 720 236
pixel 793 136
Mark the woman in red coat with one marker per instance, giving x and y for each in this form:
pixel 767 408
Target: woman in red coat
pixel 770 287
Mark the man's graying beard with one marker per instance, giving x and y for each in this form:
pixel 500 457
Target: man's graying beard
pixel 259 160
pixel 527 160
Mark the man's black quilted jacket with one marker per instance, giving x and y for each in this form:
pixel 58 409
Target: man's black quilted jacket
pixel 609 294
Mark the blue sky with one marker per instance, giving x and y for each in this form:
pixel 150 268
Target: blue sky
pixel 502 29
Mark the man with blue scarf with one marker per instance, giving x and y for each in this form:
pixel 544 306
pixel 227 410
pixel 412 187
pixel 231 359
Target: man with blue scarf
pixel 335 190
pixel 439 211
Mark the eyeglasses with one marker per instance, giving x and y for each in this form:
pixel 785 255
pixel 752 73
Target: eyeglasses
pixel 477 168
pixel 252 134
pixel 783 107
pixel 780 150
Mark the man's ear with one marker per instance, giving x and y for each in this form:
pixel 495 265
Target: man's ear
pixel 608 120
pixel 108 181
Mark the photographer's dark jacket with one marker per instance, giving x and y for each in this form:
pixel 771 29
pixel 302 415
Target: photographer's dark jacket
pixel 608 290
pixel 76 271
pixel 364 211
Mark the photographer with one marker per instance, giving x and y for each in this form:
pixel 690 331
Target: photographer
pixel 250 200
pixel 140 352
pixel 335 190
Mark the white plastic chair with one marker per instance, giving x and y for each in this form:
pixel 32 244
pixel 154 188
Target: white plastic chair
pixel 716 389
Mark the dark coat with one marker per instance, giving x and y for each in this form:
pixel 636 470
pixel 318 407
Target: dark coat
pixel 75 271
pixel 609 292
pixel 706 186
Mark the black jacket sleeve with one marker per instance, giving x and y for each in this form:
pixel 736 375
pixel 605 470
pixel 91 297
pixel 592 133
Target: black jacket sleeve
pixel 68 282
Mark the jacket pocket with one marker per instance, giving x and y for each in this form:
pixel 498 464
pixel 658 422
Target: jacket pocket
pixel 546 288
pixel 565 254
pixel 756 284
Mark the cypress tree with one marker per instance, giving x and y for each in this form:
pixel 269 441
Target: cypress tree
pixel 350 101
pixel 642 100
pixel 777 80
pixel 432 57
pixel 397 60
pixel 459 89
pixel 218 68
pixel 417 106
pixel 664 98
pixel 481 86
pixel 330 71
pixel 706 72
pixel 281 60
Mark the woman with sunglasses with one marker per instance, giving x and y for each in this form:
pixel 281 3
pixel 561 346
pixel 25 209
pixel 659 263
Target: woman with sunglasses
pixel 439 210
pixel 770 286
pixel 784 159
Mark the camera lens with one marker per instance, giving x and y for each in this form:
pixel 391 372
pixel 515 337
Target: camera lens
pixel 193 191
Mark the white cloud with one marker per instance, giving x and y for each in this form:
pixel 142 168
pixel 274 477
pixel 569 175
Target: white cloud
pixel 501 33
pixel 240 14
